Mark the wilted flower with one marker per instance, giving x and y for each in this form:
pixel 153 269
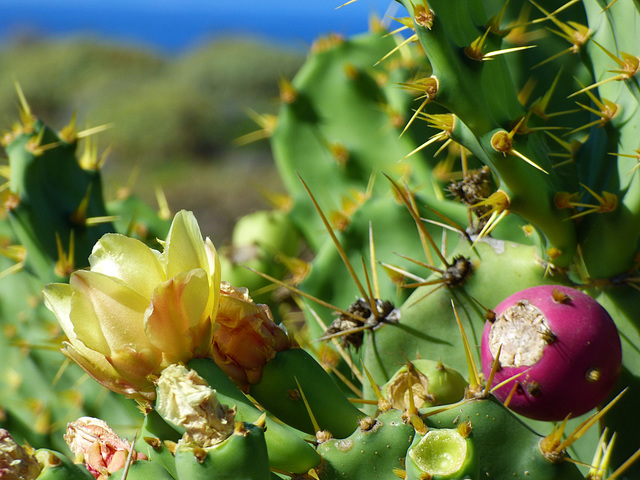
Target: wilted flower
pixel 16 461
pixel 246 337
pixel 186 399
pixel 97 445
pixel 138 310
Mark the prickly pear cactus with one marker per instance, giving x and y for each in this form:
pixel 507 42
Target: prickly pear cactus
pixel 435 176
pixel 525 176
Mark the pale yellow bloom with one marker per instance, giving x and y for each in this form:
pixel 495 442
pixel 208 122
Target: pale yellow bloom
pixel 138 310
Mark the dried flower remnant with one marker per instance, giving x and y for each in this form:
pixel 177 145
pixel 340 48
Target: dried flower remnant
pixel 186 399
pixel 16 462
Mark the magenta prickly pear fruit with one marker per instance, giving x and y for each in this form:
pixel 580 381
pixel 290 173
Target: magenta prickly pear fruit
pixel 563 343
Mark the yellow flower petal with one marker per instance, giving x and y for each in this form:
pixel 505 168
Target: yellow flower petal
pixel 105 312
pixel 177 308
pixel 184 247
pixel 135 363
pixel 96 365
pixel 57 298
pixel 215 278
pixel 129 260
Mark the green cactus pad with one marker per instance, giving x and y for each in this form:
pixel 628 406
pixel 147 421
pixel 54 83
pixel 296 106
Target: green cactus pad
pixel 242 456
pixel 373 451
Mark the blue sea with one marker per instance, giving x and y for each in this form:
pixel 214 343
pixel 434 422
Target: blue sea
pixel 172 26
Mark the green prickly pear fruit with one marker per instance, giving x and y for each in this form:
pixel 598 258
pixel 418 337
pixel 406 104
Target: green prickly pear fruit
pixel 566 344
pixel 445 453
pixel 257 239
pixel 429 382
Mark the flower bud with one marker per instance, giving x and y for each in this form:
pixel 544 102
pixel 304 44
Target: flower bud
pixel 246 336
pixel 97 445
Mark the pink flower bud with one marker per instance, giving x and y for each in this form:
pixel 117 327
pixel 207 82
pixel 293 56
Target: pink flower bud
pixel 102 451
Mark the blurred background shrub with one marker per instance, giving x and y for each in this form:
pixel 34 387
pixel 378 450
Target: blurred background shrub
pixel 174 116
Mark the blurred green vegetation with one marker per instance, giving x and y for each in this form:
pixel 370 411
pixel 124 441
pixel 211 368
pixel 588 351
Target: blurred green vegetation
pixel 174 117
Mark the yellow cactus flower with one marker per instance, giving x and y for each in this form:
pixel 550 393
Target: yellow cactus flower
pixel 138 310
pixel 246 337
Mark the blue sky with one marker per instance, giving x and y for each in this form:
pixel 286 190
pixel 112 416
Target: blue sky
pixel 173 24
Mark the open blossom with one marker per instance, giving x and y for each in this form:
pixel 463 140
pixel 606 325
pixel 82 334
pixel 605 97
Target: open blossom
pixel 137 310
pixel 97 445
pixel 246 337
